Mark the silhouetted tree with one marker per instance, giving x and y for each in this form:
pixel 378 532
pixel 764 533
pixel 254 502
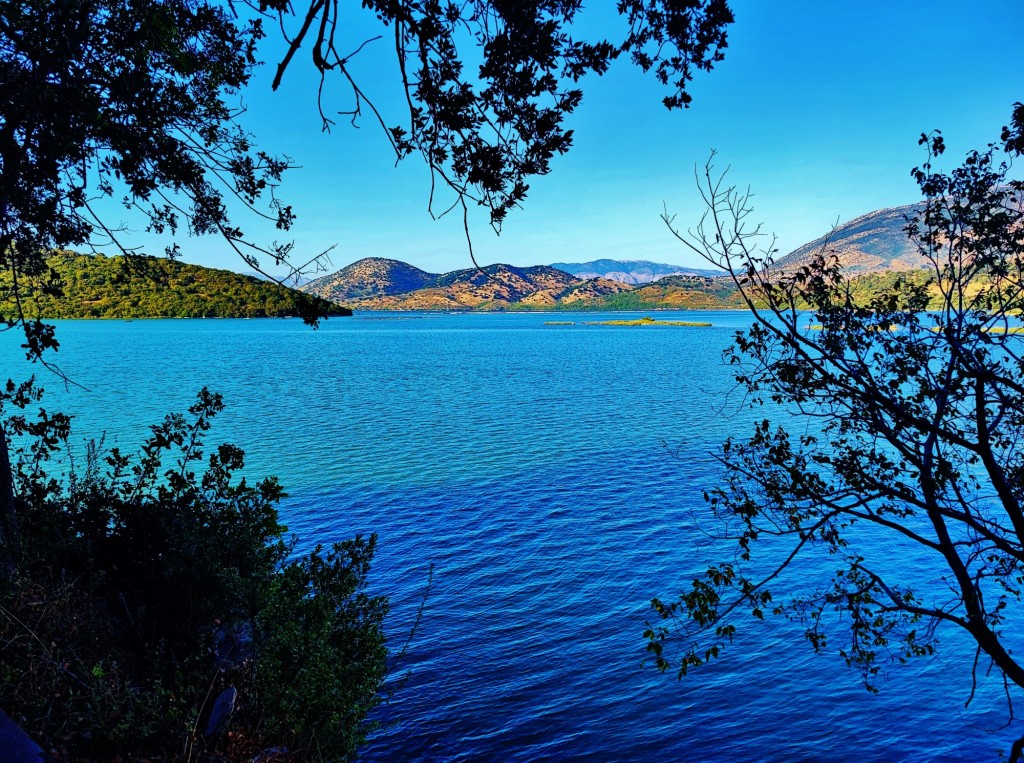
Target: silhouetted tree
pixel 485 130
pixel 909 436
pixel 131 100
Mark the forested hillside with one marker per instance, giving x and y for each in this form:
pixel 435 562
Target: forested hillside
pixel 95 286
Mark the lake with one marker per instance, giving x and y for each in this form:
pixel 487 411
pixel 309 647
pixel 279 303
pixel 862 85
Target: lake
pixel 552 475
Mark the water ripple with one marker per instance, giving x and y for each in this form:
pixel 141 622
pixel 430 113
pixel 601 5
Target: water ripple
pixel 553 477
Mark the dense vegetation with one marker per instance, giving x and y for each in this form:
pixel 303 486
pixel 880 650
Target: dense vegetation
pixel 674 293
pixel 141 589
pixel 94 286
pixel 646 321
pixel 868 287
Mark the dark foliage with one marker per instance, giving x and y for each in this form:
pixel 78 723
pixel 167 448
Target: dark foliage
pixel 123 100
pixel 130 101
pixel 143 588
pixel 1013 133
pixel 485 130
pixel 907 447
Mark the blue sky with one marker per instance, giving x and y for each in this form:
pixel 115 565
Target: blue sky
pixel 817 107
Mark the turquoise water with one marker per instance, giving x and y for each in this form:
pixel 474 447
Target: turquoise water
pixel 552 475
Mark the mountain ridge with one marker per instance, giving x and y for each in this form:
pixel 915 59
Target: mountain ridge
pixel 370 276
pixel 633 272
pixel 378 283
pixel 870 244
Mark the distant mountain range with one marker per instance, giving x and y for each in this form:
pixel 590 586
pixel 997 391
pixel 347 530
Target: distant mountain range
pixel 376 283
pixel 871 244
pixel 95 286
pixel 629 271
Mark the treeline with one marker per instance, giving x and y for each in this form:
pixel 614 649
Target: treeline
pixel 675 294
pixel 866 287
pixel 671 293
pixel 95 286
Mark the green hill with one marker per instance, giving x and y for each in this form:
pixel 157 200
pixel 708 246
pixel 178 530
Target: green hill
pixel 95 286
pixel 678 292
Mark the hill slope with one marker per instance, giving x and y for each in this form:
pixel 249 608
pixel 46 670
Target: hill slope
pixel 95 286
pixel 376 283
pixel 369 277
pixel 871 243
pixel 674 293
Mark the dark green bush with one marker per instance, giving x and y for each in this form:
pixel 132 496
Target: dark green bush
pixel 131 580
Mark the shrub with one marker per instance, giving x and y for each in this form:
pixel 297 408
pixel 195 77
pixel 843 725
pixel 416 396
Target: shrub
pixel 142 587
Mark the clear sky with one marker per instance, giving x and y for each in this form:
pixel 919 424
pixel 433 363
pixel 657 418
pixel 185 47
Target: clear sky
pixel 817 107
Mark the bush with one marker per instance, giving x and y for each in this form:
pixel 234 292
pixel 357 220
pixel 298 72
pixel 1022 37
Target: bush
pixel 140 589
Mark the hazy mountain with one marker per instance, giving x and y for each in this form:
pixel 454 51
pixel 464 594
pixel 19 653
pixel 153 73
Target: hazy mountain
pixel 871 243
pixel 629 271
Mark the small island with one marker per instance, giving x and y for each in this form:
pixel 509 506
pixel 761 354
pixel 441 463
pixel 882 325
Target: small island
pixel 646 321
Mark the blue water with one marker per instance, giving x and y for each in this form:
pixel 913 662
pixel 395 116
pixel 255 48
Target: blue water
pixel 552 475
